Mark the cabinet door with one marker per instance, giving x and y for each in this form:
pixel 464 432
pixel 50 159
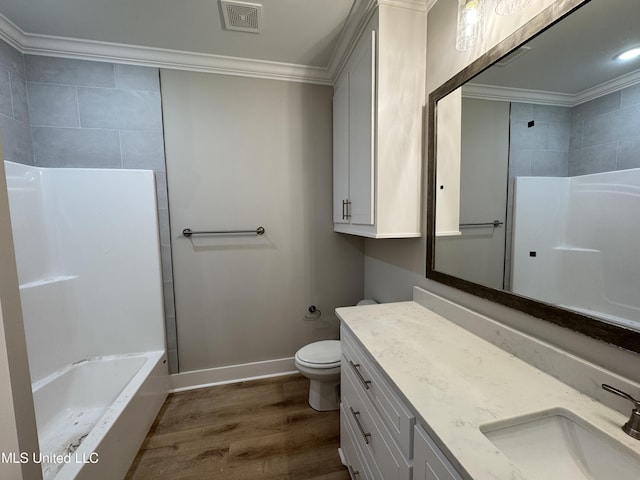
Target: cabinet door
pixel 341 149
pixel 429 463
pixel 361 133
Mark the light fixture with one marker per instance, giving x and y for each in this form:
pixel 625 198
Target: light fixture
pixel 628 54
pixel 507 7
pixel 469 31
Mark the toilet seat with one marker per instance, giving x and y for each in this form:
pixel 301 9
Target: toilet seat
pixel 321 355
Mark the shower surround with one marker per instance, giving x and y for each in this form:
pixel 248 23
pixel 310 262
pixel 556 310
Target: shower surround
pixel 62 113
pixel 88 260
pixel 576 243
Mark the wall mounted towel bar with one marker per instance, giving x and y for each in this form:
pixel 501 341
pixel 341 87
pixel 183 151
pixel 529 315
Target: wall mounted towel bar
pixel 494 224
pixel 187 232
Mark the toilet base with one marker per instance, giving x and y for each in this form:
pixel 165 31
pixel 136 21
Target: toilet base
pixel 324 396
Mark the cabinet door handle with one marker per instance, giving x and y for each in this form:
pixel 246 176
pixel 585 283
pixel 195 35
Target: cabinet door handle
pixel 353 472
pixel 345 209
pixel 364 434
pixel 365 383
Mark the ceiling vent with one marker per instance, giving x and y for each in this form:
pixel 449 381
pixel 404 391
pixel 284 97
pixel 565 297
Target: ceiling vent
pixel 512 56
pixel 242 16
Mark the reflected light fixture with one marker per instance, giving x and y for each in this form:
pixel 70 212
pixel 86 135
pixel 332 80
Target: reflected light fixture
pixel 468 33
pixel 628 54
pixel 507 7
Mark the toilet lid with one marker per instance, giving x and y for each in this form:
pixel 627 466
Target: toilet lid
pixel 324 354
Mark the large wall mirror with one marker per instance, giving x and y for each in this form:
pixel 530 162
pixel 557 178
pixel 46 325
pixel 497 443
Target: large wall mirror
pixel 534 174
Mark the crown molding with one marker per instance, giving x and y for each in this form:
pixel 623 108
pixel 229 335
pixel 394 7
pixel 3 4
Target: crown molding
pixel 611 86
pixel 173 59
pixel 506 94
pixel 11 33
pixel 361 12
pixel 46 45
pixel 419 5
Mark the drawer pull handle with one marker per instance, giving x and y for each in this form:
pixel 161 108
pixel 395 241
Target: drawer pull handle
pixel 353 472
pixel 364 434
pixel 365 383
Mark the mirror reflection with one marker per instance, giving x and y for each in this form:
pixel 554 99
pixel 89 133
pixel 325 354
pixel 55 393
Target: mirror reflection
pixel 538 169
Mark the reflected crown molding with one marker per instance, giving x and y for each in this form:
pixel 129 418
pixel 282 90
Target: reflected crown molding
pixel 521 95
pixel 55 46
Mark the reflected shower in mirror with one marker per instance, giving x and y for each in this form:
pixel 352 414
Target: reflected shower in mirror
pixel 541 200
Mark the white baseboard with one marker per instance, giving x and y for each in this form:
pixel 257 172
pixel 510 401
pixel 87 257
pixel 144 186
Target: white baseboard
pixel 343 459
pixel 231 374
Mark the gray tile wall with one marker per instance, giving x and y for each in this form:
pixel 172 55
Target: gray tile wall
pixel 605 133
pixel 14 111
pixel 541 150
pixel 57 112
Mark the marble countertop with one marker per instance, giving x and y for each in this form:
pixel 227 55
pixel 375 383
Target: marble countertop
pixel 457 382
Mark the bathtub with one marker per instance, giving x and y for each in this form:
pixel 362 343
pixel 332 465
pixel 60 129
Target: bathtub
pixel 93 415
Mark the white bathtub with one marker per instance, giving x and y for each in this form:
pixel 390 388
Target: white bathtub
pixel 92 416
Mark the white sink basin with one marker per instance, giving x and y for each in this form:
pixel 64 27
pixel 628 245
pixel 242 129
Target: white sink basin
pixel 559 445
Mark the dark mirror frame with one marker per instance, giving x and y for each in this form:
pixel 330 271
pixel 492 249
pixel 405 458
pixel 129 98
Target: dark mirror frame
pixel 591 326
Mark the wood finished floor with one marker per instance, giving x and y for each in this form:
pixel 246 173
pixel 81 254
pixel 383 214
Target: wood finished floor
pixel 262 429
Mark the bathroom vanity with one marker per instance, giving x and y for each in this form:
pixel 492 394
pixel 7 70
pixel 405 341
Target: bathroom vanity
pixel 424 398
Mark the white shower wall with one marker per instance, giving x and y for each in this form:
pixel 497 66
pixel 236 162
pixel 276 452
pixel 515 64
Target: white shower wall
pixel 88 261
pixel 587 243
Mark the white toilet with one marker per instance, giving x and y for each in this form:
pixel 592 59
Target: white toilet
pixel 320 363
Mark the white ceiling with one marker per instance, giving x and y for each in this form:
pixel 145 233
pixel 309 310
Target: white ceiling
pixel 578 53
pixel 301 32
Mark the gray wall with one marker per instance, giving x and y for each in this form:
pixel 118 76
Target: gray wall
pixel 605 133
pixel 57 112
pixel 243 152
pixel 478 254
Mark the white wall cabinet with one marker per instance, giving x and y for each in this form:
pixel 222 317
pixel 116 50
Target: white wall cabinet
pixel 353 136
pixel 379 437
pixel 377 128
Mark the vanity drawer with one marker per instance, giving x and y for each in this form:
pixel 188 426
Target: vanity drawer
pixel 357 466
pixel 396 417
pixel 429 463
pixel 380 451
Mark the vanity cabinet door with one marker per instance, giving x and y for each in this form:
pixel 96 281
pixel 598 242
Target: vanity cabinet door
pixel 396 417
pixel 429 463
pixel 352 455
pixel 380 452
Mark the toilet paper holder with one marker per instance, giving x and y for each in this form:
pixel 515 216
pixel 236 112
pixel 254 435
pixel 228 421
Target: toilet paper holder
pixel 313 314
